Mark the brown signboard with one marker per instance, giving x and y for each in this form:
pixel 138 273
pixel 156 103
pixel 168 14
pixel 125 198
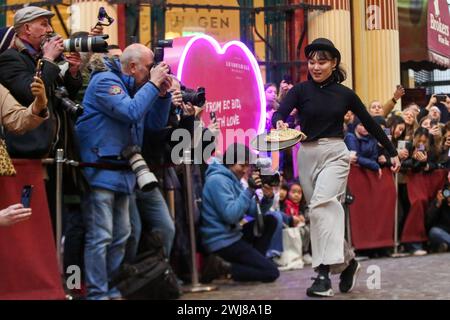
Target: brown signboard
pixel 424 34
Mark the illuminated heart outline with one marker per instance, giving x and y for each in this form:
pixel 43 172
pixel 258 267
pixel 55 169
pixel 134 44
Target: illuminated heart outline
pixel 221 51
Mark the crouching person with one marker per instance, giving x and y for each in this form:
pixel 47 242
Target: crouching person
pixel 122 98
pixel 225 203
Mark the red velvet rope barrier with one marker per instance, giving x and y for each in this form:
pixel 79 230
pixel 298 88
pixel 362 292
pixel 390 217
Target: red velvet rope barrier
pixel 28 265
pixel 373 210
pixel 372 214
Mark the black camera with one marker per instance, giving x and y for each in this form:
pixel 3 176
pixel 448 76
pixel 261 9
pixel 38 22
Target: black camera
pixel 349 197
pixel 159 49
pixel 102 15
pixel 288 79
pixel 267 174
pixel 196 98
pixel 72 108
pixel 146 180
pixel 446 191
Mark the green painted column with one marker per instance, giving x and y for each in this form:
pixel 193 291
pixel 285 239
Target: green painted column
pixel 275 34
pixel 158 22
pixel 2 15
pixel 246 19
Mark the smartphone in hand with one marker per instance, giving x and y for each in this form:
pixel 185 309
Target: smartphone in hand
pixel 441 97
pixel 39 65
pixel 212 116
pixel 27 191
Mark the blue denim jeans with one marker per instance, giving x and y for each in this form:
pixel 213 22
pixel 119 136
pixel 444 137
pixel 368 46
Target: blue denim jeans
pixel 438 236
pixel 149 210
pixel 276 244
pixel 107 223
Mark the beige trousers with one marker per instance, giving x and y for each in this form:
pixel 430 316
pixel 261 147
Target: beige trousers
pixel 323 167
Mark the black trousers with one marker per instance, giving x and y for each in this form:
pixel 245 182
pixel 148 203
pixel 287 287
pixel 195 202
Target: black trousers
pixel 247 256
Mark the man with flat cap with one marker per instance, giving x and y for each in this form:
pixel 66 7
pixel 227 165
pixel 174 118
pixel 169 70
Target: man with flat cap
pixel 17 69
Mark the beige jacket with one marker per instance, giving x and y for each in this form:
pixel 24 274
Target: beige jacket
pixel 14 117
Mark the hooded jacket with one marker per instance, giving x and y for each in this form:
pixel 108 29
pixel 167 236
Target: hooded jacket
pixel 114 117
pixel 225 203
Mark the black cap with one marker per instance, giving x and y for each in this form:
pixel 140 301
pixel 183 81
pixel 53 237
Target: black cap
pixel 380 120
pixel 323 44
pixel 356 121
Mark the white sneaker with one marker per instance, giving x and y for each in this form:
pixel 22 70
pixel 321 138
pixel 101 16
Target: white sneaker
pixel 419 253
pixel 307 259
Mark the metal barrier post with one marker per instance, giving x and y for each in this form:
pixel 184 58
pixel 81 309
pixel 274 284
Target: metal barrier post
pixel 195 284
pixel 396 254
pixel 59 180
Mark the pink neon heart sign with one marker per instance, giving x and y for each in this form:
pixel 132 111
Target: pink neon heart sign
pixel 231 77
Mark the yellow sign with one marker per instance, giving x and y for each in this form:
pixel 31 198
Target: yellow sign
pixel 222 25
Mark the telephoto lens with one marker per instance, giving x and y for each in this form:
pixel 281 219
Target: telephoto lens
pixel 197 98
pixel 146 180
pixel 87 44
pixel 71 107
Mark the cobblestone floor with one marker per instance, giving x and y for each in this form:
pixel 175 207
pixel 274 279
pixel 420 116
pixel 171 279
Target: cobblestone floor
pixel 426 277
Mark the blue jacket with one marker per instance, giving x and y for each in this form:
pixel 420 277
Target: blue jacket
pixel 114 117
pixel 366 150
pixel 224 205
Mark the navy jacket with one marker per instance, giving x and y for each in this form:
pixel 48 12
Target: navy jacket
pixel 366 150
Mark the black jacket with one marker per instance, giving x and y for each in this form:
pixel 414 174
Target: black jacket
pixel 417 166
pixel 438 217
pixel 17 69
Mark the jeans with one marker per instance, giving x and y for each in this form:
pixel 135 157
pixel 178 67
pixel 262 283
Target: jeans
pixel 247 256
pixel 276 244
pixel 107 223
pixel 149 211
pixel 438 236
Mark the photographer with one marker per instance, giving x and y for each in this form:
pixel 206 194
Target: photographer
pixel 438 219
pixel 225 203
pixel 17 71
pixel 148 210
pixel 122 98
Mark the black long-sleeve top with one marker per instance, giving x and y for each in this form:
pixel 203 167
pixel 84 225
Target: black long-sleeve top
pixel 321 109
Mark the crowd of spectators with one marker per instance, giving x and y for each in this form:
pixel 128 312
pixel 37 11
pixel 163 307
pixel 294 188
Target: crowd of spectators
pixel 132 101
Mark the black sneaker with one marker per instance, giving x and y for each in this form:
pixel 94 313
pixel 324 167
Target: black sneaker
pixel 443 247
pixel 348 277
pixel 215 267
pixel 321 287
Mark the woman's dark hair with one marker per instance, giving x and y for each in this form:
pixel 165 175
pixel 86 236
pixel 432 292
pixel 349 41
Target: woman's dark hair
pixel 268 85
pixel 393 122
pixel 339 74
pixel 284 186
pixel 421 132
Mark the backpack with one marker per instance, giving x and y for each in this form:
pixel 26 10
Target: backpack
pixel 150 277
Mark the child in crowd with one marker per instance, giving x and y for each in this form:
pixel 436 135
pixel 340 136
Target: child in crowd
pixel 295 207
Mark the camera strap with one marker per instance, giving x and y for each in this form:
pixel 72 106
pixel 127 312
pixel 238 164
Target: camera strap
pixel 105 166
